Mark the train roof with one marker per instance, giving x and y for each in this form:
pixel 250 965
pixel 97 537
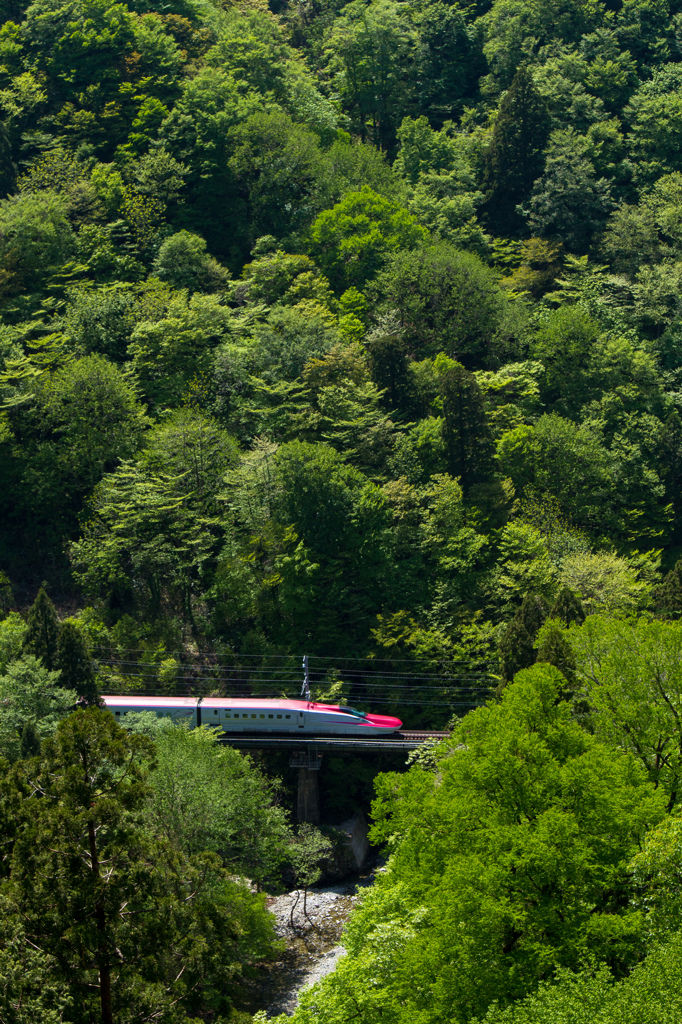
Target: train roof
pixel 282 704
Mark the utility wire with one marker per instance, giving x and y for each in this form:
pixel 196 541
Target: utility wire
pixel 287 657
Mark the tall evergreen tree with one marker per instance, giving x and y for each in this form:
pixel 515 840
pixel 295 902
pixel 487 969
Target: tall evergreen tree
pixel 6 596
pixel 568 607
pixel 43 630
pixel 389 367
pixel 75 664
pixel 517 645
pixel 30 741
pixel 514 158
pixel 671 468
pixel 554 649
pixel 668 594
pixel 466 432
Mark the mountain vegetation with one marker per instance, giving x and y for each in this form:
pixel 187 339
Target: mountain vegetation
pixel 347 329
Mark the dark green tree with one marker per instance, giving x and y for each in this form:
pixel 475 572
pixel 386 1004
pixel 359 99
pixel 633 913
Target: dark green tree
pixel 466 433
pixel 389 366
pixel 668 594
pixel 671 468
pixel 43 630
pixel 517 645
pixel 6 596
pixel 30 742
pixel 554 648
pixel 515 158
pixel 569 202
pixel 446 300
pixel 75 664
pixel 567 607
pixel 133 925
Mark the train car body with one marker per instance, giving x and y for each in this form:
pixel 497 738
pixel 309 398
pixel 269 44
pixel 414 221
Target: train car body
pixel 249 715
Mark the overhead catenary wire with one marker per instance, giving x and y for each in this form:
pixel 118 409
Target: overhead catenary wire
pixel 294 658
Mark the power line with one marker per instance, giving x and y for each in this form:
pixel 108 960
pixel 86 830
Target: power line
pixel 356 677
pixel 292 657
pixel 218 683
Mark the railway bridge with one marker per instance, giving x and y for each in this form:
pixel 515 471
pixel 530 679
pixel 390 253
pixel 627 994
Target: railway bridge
pixel 307 754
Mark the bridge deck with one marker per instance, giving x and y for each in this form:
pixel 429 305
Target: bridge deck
pixel 399 741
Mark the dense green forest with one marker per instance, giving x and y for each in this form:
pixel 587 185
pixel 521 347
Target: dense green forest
pixel 338 331
pixel 351 330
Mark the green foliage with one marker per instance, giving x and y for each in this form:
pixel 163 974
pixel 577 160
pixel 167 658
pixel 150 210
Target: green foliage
pixel 42 630
pixel 78 832
pixel 502 869
pixel 184 263
pixel 74 664
pixel 515 156
pixel 568 201
pixel 354 329
pixel 518 641
pixel 205 796
pixel 628 671
pixel 12 634
pixel 30 696
pixel 445 301
pixel 352 241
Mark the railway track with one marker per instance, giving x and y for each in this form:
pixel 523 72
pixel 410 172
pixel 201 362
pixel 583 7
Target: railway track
pixel 420 736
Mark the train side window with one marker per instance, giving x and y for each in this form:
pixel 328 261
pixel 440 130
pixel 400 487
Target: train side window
pixel 288 716
pixel 236 716
pixel 215 712
pixel 253 716
pixel 279 716
pixel 262 716
pixel 117 712
pixel 228 714
pixel 270 716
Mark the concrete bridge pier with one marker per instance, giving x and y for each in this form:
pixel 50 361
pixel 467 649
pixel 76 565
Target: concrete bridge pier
pixel 308 804
pixel 308 763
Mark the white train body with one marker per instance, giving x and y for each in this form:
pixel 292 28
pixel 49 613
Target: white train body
pixel 253 714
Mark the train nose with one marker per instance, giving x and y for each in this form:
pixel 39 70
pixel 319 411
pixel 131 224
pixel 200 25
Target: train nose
pixel 384 721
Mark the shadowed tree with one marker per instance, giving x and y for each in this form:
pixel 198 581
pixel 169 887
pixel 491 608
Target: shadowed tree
pixel 517 646
pixel 466 433
pixel 515 158
pixel 567 607
pixel 74 662
pixel 43 630
pixel 668 594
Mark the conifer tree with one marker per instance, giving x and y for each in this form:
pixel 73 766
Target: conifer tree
pixel 465 427
pixel 567 607
pixel 30 741
pixel 6 596
pixel 554 649
pixel 668 594
pixel 43 630
pixel 515 158
pixel 74 662
pixel 517 646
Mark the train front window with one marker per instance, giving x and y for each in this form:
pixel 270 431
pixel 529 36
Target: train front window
pixel 353 711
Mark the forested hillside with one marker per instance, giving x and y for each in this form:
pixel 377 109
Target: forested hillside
pixel 339 328
pixel 351 330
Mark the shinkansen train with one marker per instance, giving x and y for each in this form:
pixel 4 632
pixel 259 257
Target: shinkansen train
pixel 254 714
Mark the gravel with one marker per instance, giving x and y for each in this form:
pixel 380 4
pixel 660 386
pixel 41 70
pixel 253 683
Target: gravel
pixel 313 943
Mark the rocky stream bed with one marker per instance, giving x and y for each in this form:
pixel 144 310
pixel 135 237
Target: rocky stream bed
pixel 312 943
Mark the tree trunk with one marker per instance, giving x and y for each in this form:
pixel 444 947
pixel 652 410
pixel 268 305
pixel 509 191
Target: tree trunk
pixel 101 922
